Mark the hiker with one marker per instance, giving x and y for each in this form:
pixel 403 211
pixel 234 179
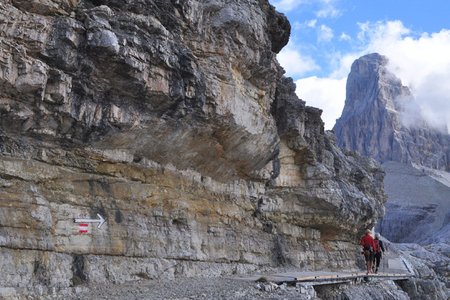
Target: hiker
pixel 368 245
pixel 379 248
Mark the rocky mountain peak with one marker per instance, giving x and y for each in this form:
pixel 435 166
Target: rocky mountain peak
pixel 369 65
pixel 372 121
pixel 364 84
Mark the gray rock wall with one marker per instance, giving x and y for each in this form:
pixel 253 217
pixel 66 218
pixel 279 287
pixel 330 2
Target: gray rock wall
pixel 172 121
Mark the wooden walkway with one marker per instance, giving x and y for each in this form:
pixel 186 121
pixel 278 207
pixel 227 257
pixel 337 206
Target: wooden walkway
pixel 319 278
pixel 393 267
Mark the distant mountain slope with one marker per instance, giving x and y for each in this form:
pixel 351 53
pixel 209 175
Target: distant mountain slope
pixel 418 205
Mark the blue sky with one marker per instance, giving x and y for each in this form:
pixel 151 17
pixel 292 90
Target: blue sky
pixel 328 35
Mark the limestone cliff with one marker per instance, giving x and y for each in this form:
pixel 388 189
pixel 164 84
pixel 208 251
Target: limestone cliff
pixel 171 119
pixel 373 120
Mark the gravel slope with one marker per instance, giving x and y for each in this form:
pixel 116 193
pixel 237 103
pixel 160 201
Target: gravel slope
pixel 418 205
pixel 188 288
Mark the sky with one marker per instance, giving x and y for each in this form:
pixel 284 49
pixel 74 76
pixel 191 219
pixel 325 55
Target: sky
pixel 328 35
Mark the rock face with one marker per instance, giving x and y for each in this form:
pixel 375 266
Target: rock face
pixel 431 270
pixel 172 120
pixel 373 120
pixel 375 290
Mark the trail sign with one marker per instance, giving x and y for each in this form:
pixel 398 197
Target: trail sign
pixel 100 221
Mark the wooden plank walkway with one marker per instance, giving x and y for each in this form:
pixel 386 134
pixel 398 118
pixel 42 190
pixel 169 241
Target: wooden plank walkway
pixel 329 277
pixel 393 267
pixel 348 277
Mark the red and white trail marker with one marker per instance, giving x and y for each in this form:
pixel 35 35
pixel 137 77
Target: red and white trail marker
pixel 83 224
pixel 83 227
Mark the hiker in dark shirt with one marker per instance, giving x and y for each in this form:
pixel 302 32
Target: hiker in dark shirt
pixel 379 249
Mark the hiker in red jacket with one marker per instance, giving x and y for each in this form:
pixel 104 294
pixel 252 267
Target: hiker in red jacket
pixel 368 245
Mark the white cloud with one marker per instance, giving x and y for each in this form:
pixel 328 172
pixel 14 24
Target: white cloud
pixel 421 62
pixel 297 26
pixel 295 63
pixel 311 23
pixel 325 34
pixel 287 5
pixel 344 64
pixel 324 93
pixel 328 9
pixel 325 8
pixel 381 32
pixel 328 12
pixel 344 37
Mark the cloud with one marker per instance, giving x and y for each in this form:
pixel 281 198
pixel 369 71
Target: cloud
pixel 311 23
pixel 381 33
pixel 344 37
pixel 325 34
pixel 324 93
pixel 344 63
pixel 324 8
pixel 296 26
pixel 295 63
pixel 422 62
pixel 433 99
pixel 328 9
pixel 287 5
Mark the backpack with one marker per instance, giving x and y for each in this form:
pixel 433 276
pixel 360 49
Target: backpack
pixel 377 246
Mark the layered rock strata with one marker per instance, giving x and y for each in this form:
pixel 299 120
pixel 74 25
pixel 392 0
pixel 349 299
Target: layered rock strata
pixel 173 121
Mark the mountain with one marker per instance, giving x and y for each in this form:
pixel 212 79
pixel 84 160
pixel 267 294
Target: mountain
pixel 375 122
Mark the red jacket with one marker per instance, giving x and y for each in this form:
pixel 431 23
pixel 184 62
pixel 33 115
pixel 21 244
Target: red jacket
pixel 367 241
